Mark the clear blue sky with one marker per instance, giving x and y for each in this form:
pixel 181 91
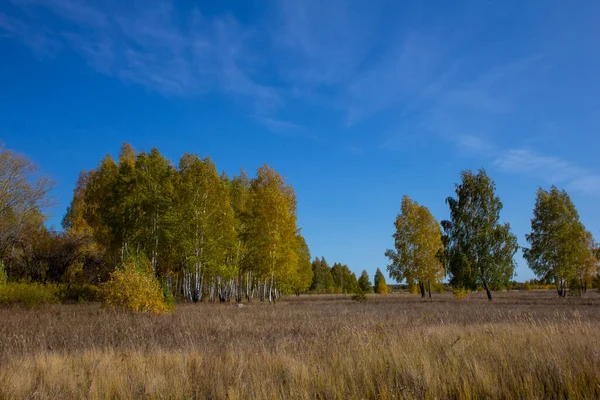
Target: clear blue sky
pixel 356 103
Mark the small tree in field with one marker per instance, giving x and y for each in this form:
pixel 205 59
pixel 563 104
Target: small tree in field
pixel 380 285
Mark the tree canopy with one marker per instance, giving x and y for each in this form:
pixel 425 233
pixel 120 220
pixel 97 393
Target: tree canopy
pixel 480 250
pixel 561 250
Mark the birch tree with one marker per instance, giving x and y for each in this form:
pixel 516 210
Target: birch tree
pixel 303 275
pixel 154 185
pixel 206 221
pixel 272 230
pixel 417 247
pixel 557 240
pixel 480 249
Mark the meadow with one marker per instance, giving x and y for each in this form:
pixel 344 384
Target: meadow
pixel 522 345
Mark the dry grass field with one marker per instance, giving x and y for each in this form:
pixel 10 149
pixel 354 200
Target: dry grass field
pixel 523 345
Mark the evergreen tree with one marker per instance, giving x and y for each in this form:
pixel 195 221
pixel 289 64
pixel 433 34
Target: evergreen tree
pixel 364 284
pixel 380 285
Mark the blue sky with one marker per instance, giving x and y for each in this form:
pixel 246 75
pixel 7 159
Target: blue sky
pixel 356 103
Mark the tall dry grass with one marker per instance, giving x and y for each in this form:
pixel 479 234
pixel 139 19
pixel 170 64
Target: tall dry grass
pixel 524 345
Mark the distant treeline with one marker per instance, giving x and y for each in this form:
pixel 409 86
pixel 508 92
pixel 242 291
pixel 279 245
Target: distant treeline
pixel 339 279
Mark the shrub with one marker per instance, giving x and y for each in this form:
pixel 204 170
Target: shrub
pixel 28 294
pixel 133 286
pixel 360 296
pixel 460 293
pixel 79 293
pixel 527 286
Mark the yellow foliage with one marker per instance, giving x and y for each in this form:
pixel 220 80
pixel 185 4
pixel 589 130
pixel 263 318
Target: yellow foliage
pixel 135 289
pixel 527 286
pixel 460 293
pixel 382 288
pixel 413 288
pixel 28 294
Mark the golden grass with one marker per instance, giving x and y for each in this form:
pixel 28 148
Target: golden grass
pixel 524 345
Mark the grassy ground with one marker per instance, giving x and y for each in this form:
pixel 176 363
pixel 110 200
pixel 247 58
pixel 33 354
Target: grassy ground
pixel 524 345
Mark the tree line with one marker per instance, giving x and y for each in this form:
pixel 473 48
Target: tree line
pixel 474 249
pixel 208 236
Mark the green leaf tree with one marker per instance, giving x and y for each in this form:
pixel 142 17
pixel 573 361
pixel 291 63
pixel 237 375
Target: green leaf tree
pixel 418 245
pixel 558 242
pixel 344 279
pixel 480 249
pixel 155 186
pixel 587 264
pixel 272 231
pixel 207 228
pixel 303 276
pixel 239 192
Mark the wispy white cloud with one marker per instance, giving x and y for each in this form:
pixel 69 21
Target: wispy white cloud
pixel 339 55
pixel 324 42
pixel 38 39
pixel 399 77
pixel 475 144
pixel 553 170
pixel 277 125
pixel 151 46
pixel 545 169
pixel 74 11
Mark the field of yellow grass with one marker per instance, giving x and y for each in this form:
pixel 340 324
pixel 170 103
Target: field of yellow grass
pixel 523 345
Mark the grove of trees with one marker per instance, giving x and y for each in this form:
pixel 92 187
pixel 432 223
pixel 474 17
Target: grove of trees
pixel 477 250
pixel 205 235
